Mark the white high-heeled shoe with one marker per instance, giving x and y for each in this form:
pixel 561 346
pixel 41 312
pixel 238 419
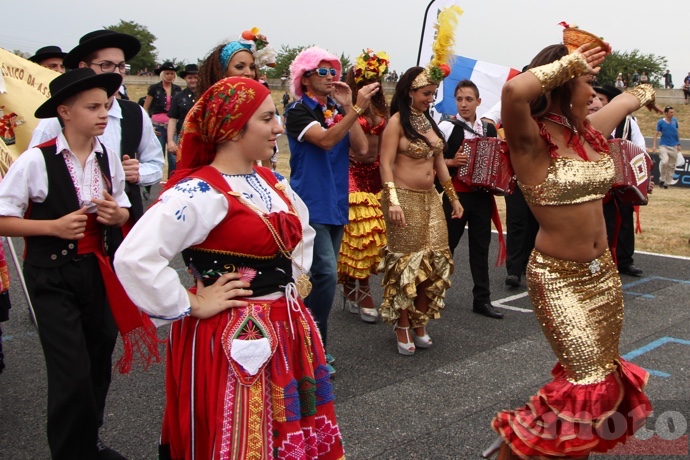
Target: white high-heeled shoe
pixel 493 448
pixel 404 348
pixel 423 341
pixel 368 315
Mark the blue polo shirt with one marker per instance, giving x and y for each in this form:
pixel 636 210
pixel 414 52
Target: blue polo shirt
pixel 320 177
pixel 669 132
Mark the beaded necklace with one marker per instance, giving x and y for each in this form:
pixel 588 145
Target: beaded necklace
pixel 419 121
pixel 591 135
pixel 302 282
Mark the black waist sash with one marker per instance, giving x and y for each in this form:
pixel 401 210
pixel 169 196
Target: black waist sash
pixel 266 275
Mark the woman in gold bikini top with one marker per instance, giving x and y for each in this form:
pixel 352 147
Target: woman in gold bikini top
pixel 558 153
pixel 562 164
pixel 412 145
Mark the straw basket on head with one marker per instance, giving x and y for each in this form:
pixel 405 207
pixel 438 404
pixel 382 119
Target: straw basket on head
pixel 574 38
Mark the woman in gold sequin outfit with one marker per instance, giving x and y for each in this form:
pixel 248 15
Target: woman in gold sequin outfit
pixel 417 264
pixel 365 235
pixel 561 160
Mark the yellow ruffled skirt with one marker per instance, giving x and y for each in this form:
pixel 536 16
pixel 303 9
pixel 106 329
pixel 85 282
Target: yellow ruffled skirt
pixel 417 253
pixel 363 239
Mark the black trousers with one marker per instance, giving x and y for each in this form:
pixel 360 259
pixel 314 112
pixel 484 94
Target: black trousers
pixel 521 228
pixel 78 335
pixel 626 234
pixel 477 215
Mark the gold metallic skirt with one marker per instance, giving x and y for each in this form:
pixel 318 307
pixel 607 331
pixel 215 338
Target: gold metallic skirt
pixel 415 255
pixel 579 306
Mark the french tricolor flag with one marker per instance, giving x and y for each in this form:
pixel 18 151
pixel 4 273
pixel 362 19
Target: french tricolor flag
pixel 489 78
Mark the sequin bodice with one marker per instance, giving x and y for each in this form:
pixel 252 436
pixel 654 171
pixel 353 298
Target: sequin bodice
pixel 419 149
pixel 571 181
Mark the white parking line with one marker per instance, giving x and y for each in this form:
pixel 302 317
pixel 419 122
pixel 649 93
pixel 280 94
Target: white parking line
pixel 500 303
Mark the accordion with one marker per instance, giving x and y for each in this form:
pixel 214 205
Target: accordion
pixel 488 167
pixel 633 171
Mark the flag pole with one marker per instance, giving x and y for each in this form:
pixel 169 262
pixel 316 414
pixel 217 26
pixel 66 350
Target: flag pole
pixel 22 281
pixel 421 38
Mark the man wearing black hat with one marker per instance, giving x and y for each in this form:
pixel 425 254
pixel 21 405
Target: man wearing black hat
pixel 129 132
pixel 50 57
pixel 614 208
pixel 181 104
pixel 62 210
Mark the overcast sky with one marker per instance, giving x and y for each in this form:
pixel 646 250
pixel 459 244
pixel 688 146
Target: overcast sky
pixel 501 32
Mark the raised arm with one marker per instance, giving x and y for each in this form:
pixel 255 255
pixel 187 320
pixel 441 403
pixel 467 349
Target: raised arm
pixel 608 117
pixel 520 130
pixel 328 138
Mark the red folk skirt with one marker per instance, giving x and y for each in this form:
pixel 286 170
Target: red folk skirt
pixel 282 408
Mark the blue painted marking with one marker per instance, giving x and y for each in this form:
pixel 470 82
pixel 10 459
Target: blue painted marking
pixel 646 280
pixel 651 346
pixel 639 294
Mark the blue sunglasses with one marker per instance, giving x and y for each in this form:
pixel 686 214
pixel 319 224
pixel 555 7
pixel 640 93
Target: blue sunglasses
pixel 321 72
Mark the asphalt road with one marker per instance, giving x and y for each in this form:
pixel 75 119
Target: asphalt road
pixel 436 404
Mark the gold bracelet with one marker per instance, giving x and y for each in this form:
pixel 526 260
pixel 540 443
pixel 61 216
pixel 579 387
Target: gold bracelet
pixel 553 75
pixel 449 190
pixel 644 93
pixel 358 110
pixel 392 193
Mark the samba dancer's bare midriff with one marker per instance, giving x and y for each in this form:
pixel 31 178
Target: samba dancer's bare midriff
pixel 415 172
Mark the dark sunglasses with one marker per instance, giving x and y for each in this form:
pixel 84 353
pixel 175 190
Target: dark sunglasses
pixel 321 72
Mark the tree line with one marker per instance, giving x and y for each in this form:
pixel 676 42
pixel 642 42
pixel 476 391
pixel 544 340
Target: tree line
pixel 625 62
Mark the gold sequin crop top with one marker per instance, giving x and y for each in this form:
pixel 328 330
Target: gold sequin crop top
pixel 419 149
pixel 570 181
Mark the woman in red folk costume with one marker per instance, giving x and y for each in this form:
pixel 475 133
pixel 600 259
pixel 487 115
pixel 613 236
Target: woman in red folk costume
pixel 365 235
pixel 561 160
pixel 246 370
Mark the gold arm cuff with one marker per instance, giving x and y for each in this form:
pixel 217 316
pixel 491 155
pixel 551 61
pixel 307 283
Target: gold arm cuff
pixel 449 190
pixel 644 93
pixel 358 110
pixel 392 193
pixel 553 75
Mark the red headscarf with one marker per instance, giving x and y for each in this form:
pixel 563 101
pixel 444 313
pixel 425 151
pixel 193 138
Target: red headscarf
pixel 217 117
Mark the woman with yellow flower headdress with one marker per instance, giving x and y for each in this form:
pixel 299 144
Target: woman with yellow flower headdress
pixel 417 264
pixel 365 235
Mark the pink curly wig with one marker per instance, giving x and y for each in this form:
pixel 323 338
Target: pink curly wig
pixel 309 59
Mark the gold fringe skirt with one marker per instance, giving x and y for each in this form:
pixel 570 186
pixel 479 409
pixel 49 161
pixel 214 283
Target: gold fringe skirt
pixel 363 239
pixel 579 306
pixel 416 254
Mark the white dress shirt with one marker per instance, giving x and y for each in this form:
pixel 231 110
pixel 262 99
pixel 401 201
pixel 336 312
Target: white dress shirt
pixel 149 151
pixel 446 127
pixel 27 179
pixel 183 217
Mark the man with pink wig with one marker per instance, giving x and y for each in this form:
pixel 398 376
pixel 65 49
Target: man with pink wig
pixel 321 130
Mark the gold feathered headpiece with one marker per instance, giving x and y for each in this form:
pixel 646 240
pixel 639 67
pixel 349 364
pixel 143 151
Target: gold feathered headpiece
pixel 443 48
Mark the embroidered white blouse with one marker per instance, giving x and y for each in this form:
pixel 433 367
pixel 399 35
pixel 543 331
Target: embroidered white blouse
pixel 27 179
pixel 183 217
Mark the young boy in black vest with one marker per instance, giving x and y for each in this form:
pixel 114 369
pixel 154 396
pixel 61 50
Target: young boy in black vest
pixel 62 196
pixel 478 205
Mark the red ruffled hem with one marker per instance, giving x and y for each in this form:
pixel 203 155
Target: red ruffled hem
pixel 566 419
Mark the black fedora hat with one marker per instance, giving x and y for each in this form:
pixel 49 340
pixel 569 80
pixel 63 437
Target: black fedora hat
pixel 74 82
pixel 189 69
pixel 47 52
pixel 607 90
pixel 165 66
pixel 99 39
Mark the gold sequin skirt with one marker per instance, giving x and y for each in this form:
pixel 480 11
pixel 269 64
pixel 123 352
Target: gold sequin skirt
pixel 363 238
pixel 579 306
pixel 415 254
